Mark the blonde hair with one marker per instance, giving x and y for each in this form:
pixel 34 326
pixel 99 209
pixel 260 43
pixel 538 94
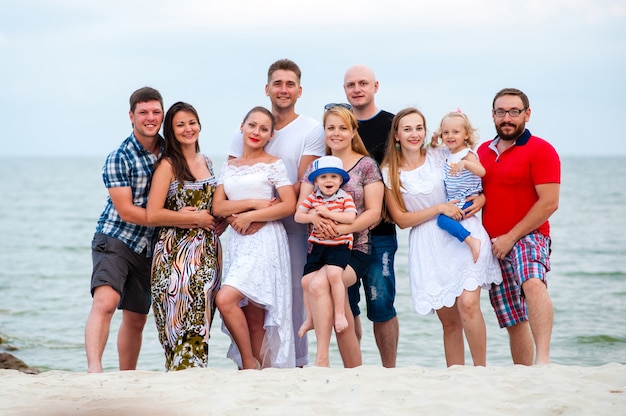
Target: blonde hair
pixel 472 134
pixel 349 118
pixel 394 155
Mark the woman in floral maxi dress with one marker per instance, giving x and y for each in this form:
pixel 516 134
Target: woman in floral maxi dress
pixel 186 265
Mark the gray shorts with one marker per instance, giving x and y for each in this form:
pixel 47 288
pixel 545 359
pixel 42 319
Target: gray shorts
pixel 117 265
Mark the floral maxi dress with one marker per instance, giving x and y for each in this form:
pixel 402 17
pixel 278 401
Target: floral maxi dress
pixel 186 271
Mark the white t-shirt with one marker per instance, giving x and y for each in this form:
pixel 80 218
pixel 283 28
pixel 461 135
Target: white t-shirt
pixel 304 136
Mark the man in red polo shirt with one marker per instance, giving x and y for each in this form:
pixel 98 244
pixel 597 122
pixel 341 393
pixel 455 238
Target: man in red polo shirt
pixel 521 186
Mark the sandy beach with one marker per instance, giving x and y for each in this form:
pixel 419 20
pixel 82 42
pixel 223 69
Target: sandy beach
pixel 368 390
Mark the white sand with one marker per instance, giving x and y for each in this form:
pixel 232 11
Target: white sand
pixel 369 390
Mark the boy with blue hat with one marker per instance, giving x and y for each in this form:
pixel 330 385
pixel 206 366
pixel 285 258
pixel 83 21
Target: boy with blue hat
pixel 330 256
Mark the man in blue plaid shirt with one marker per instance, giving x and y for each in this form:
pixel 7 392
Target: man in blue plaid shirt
pixel 123 241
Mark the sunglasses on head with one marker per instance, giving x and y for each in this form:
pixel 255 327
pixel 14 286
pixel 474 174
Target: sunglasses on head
pixel 342 105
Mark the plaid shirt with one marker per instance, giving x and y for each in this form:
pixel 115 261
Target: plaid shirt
pixel 130 165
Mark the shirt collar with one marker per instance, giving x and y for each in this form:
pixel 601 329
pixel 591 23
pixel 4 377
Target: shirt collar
pixel 520 141
pixel 339 194
pixel 140 147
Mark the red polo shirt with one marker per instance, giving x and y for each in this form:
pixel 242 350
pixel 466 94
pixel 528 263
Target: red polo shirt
pixel 509 184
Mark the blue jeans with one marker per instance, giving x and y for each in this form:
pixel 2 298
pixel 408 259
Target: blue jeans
pixel 379 283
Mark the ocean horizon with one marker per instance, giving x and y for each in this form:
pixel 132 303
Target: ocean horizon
pixel 49 210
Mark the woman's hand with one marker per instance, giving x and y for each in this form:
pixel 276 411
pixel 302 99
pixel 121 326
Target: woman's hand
pixel 324 228
pixel 252 228
pixel 241 222
pixel 341 229
pixel 450 209
pixel 263 203
pixel 203 219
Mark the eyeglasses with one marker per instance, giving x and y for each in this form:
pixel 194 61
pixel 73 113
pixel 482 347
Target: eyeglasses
pixel 342 105
pixel 514 112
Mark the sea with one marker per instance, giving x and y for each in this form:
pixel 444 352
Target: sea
pixel 49 207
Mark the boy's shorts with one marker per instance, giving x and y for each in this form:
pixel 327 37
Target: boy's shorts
pixel 322 255
pixel 529 259
pixel 117 265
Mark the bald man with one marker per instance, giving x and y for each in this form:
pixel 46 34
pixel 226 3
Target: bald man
pixel 379 283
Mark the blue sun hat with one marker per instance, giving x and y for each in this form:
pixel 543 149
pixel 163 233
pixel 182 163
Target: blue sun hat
pixel 328 164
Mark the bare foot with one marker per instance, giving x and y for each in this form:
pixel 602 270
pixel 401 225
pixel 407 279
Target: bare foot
pixel 305 327
pixel 341 322
pixel 539 361
pixel 322 362
pixel 474 245
pixel 251 365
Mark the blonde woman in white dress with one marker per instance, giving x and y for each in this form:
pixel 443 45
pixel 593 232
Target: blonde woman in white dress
pixel 443 274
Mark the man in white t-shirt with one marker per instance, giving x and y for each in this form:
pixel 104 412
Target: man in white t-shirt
pixel 298 140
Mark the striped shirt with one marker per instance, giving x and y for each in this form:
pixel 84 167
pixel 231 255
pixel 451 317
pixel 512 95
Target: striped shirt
pixel 340 201
pixel 129 165
pixel 465 183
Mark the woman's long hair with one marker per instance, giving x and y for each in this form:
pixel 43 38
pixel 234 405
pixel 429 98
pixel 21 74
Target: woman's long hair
pixel 173 151
pixel 393 155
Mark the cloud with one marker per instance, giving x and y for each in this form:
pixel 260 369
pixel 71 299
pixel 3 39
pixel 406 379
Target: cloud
pixel 118 18
pixel 279 14
pixel 69 65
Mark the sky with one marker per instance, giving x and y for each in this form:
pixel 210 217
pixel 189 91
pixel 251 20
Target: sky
pixel 68 67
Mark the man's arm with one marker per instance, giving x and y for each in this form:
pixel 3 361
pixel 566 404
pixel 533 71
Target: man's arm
pixel 122 198
pixel 305 161
pixel 344 217
pixel 539 213
pixel 478 202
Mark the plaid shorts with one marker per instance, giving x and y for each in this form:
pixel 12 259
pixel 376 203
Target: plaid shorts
pixel 529 258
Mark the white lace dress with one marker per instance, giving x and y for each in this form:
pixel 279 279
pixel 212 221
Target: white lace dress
pixel 440 266
pixel 258 265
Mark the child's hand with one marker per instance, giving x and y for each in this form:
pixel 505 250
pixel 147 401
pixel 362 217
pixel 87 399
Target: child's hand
pixel 322 210
pixel 434 141
pixel 457 168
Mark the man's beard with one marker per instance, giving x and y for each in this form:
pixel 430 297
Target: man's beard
pixel 519 130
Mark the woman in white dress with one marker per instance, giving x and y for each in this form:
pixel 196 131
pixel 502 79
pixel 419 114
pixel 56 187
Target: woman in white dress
pixel 255 298
pixel 442 272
